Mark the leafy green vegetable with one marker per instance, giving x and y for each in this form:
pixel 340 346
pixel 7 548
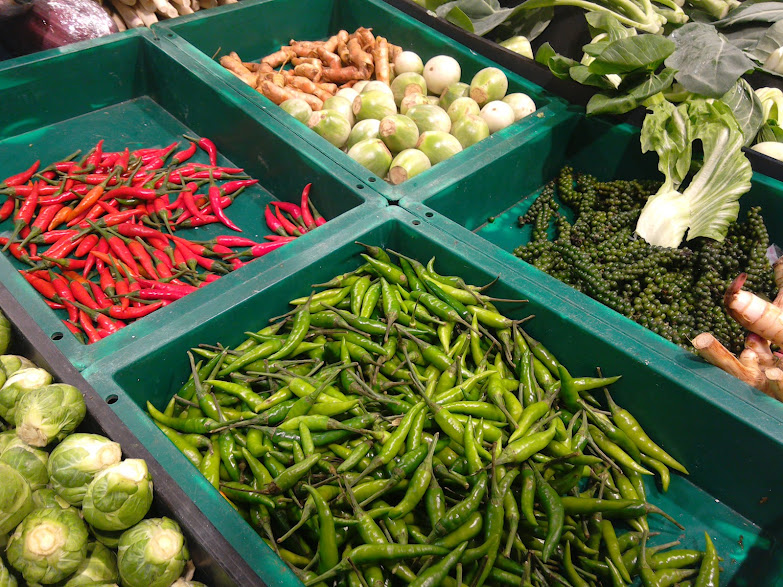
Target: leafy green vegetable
pixel 753 12
pixel 28 461
pixel 15 502
pixel 710 201
pixel 632 54
pixel 76 460
pixel 483 15
pixel 706 62
pixel 559 65
pixel 48 413
pixel 100 566
pixel 771 40
pixel 627 99
pixel 48 545
pixel 747 109
pixel 119 496
pixel 152 553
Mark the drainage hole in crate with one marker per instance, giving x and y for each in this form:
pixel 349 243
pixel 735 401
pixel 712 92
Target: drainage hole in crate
pixel 57 335
pixel 371 179
pixel 416 223
pixel 112 399
pixel 429 214
pixel 359 186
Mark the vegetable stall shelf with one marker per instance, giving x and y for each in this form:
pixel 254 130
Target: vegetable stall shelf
pixel 256 28
pixel 216 561
pixel 567 34
pixel 133 94
pixel 725 441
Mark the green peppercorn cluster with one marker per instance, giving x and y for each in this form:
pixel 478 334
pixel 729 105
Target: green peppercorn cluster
pixel 677 293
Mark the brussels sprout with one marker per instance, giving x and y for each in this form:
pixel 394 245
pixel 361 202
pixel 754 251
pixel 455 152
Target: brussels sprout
pixel 373 155
pixel 6 578
pixel 374 104
pixel 407 164
pixel 152 554
pixel 451 93
pixel 13 363
pixel 7 438
pixel 362 130
pixel 438 146
pixel 15 502
pixel 297 108
pixel 28 461
pixel 48 545
pixel 119 496
pixel 18 385
pixel 331 125
pixel 100 566
pixel 76 460
pixel 185 583
pixel 48 413
pixel 47 498
pixel 5 333
pixel 109 538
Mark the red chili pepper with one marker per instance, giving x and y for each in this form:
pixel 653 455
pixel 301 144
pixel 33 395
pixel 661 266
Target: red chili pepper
pixel 210 148
pixel 88 327
pixel 222 250
pixel 50 175
pixel 63 247
pixel 154 164
pixel 290 208
pixel 230 187
pixel 94 213
pixel 111 261
pixel 43 287
pixel 87 244
pixel 87 202
pixel 144 258
pixel 23 177
pixel 82 296
pixel 113 219
pixel 185 154
pixel 133 230
pixel 43 190
pixel 319 220
pixel 109 160
pixel 289 227
pixel 7 209
pixel 217 210
pixel 213 174
pixel 101 247
pixel 24 215
pixel 99 295
pixel 179 258
pixel 72 328
pixel 120 249
pixel 107 281
pixel 54 236
pixel 45 216
pixel 196 248
pixel 234 241
pixel 121 287
pixel 305 207
pixel 94 158
pixel 58 199
pixel 163 286
pixel 72 264
pixel 209 278
pixel 97 179
pixel 66 166
pixel 132 313
pixel 106 324
pixel 81 188
pixel 139 193
pixel 18 252
pixel 190 205
pixel 64 292
pixel 157 294
pixel 54 305
pixel 278 238
pixel 273 223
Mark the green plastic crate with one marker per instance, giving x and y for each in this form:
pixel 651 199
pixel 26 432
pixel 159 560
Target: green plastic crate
pixel 483 212
pixel 133 94
pixel 256 28
pixel 730 447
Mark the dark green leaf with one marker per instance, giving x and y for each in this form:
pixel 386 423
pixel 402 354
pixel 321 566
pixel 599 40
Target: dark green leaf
pixel 603 22
pixel 770 132
pixel 557 64
pixel 595 49
pixel 459 18
pixel 769 42
pixel 484 15
pixel 746 38
pixel 583 75
pixel 527 23
pixel 633 97
pixel 747 109
pixel 753 12
pixel 631 53
pixel 705 61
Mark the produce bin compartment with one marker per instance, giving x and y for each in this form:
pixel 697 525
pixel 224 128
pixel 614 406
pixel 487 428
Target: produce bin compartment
pixel 508 187
pixel 132 94
pixel 726 444
pixel 216 561
pixel 254 29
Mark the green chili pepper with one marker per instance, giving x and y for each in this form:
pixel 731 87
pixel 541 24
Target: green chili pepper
pixel 468 530
pixel 555 511
pixel 263 351
pixel 327 539
pixel 210 464
pixel 615 452
pixel 358 289
pixel 417 487
pixel 568 565
pixel 453 518
pixel 434 502
pixel 185 447
pixel 709 571
pixel 388 271
pixel 524 448
pixel 434 576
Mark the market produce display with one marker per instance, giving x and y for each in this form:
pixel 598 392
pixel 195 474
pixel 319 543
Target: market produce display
pixel 110 220
pixel 128 14
pixel 71 508
pixel 676 292
pixel 390 112
pixel 396 426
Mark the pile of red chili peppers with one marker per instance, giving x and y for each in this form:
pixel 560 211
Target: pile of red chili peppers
pixel 109 221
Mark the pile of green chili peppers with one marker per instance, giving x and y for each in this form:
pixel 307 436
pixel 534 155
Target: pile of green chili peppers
pixel 395 428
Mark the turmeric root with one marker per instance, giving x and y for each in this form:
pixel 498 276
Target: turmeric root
pixel 342 51
pixel 281 57
pixel 715 353
pixel 761 347
pixel 233 63
pixel 328 58
pixel 358 56
pixel 344 74
pixel 279 95
pixel 753 313
pixel 312 71
pixel 304 48
pixel 774 383
pixel 380 55
pixel 366 38
pixel 306 85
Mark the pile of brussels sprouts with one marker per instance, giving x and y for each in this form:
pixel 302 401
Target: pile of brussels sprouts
pixel 71 509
